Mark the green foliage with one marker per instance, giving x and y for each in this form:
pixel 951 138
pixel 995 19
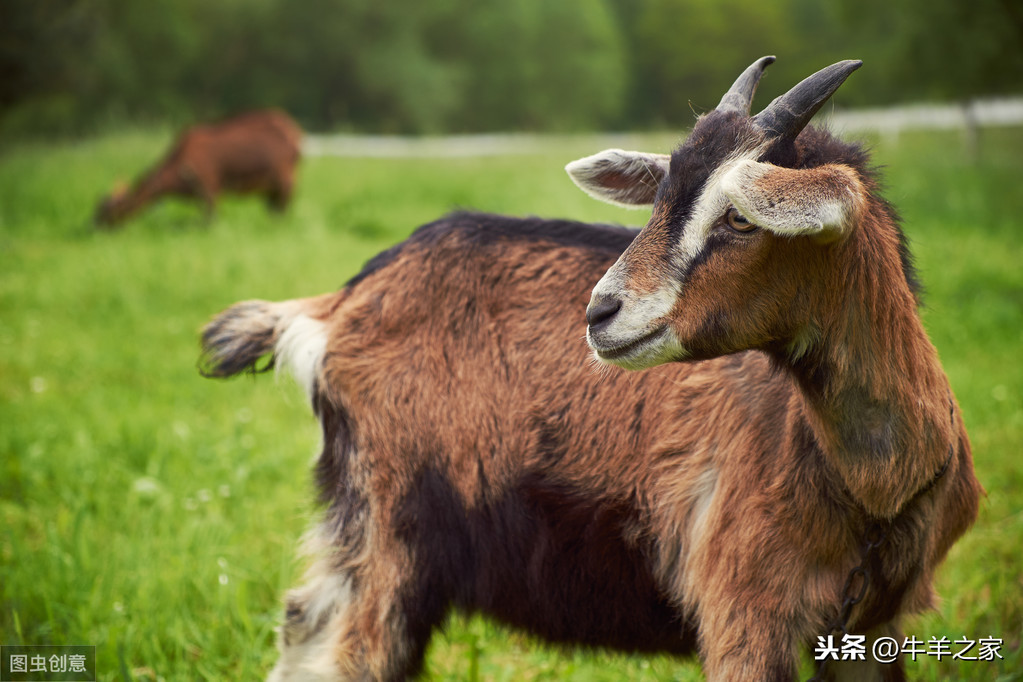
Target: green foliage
pixel 69 66
pixel 940 50
pixel 386 67
pixel 534 64
pixel 156 514
pixel 691 51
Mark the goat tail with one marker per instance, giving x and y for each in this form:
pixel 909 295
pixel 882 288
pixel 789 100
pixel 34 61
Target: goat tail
pixel 293 333
pixel 236 339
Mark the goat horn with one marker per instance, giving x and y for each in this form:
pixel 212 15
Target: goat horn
pixel 787 115
pixel 740 95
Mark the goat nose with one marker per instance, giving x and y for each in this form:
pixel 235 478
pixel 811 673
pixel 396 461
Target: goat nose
pixel 601 311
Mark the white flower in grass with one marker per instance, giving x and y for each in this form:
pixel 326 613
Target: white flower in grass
pixel 182 430
pixel 204 495
pixel 146 487
pixel 223 578
pixel 224 490
pixel 38 384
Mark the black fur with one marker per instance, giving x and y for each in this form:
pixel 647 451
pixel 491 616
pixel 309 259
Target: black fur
pixel 218 338
pixel 483 229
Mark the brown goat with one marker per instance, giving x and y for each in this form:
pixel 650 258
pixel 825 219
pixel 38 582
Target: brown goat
pixel 475 459
pixel 255 152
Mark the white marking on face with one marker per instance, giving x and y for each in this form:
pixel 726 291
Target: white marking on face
pixel 637 311
pixel 639 335
pixel 301 348
pixel 657 348
pixel 709 207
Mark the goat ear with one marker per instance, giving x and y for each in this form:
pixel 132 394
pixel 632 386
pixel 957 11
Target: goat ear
pixel 627 179
pixel 818 202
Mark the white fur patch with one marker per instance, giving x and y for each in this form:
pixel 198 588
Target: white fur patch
pixel 703 495
pixel 300 349
pixel 308 644
pixel 314 658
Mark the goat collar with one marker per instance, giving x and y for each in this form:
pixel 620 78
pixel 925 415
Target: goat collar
pixel 937 477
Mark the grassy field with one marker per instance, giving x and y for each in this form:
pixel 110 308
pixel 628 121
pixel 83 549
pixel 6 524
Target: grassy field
pixel 156 514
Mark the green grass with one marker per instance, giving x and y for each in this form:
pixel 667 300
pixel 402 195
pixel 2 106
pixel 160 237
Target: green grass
pixel 156 514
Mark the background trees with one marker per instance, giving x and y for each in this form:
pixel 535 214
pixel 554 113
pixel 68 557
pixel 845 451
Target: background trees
pixel 463 65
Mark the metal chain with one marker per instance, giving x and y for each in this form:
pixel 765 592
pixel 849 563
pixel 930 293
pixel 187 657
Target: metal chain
pixel 855 589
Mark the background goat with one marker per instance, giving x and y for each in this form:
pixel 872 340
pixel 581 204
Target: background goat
pixel 474 458
pixel 255 152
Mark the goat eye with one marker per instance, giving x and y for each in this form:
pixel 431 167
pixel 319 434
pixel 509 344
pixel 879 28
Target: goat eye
pixel 738 221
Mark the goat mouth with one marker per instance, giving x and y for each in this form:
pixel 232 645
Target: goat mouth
pixel 614 353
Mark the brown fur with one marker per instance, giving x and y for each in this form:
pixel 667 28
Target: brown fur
pixel 255 152
pixel 475 458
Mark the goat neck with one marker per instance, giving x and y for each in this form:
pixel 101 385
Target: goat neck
pixel 873 390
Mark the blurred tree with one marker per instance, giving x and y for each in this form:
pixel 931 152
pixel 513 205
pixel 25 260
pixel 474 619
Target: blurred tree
pixel 533 64
pixel 146 56
pixel 685 53
pixel 947 49
pixel 361 64
pixel 460 65
pixel 38 76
